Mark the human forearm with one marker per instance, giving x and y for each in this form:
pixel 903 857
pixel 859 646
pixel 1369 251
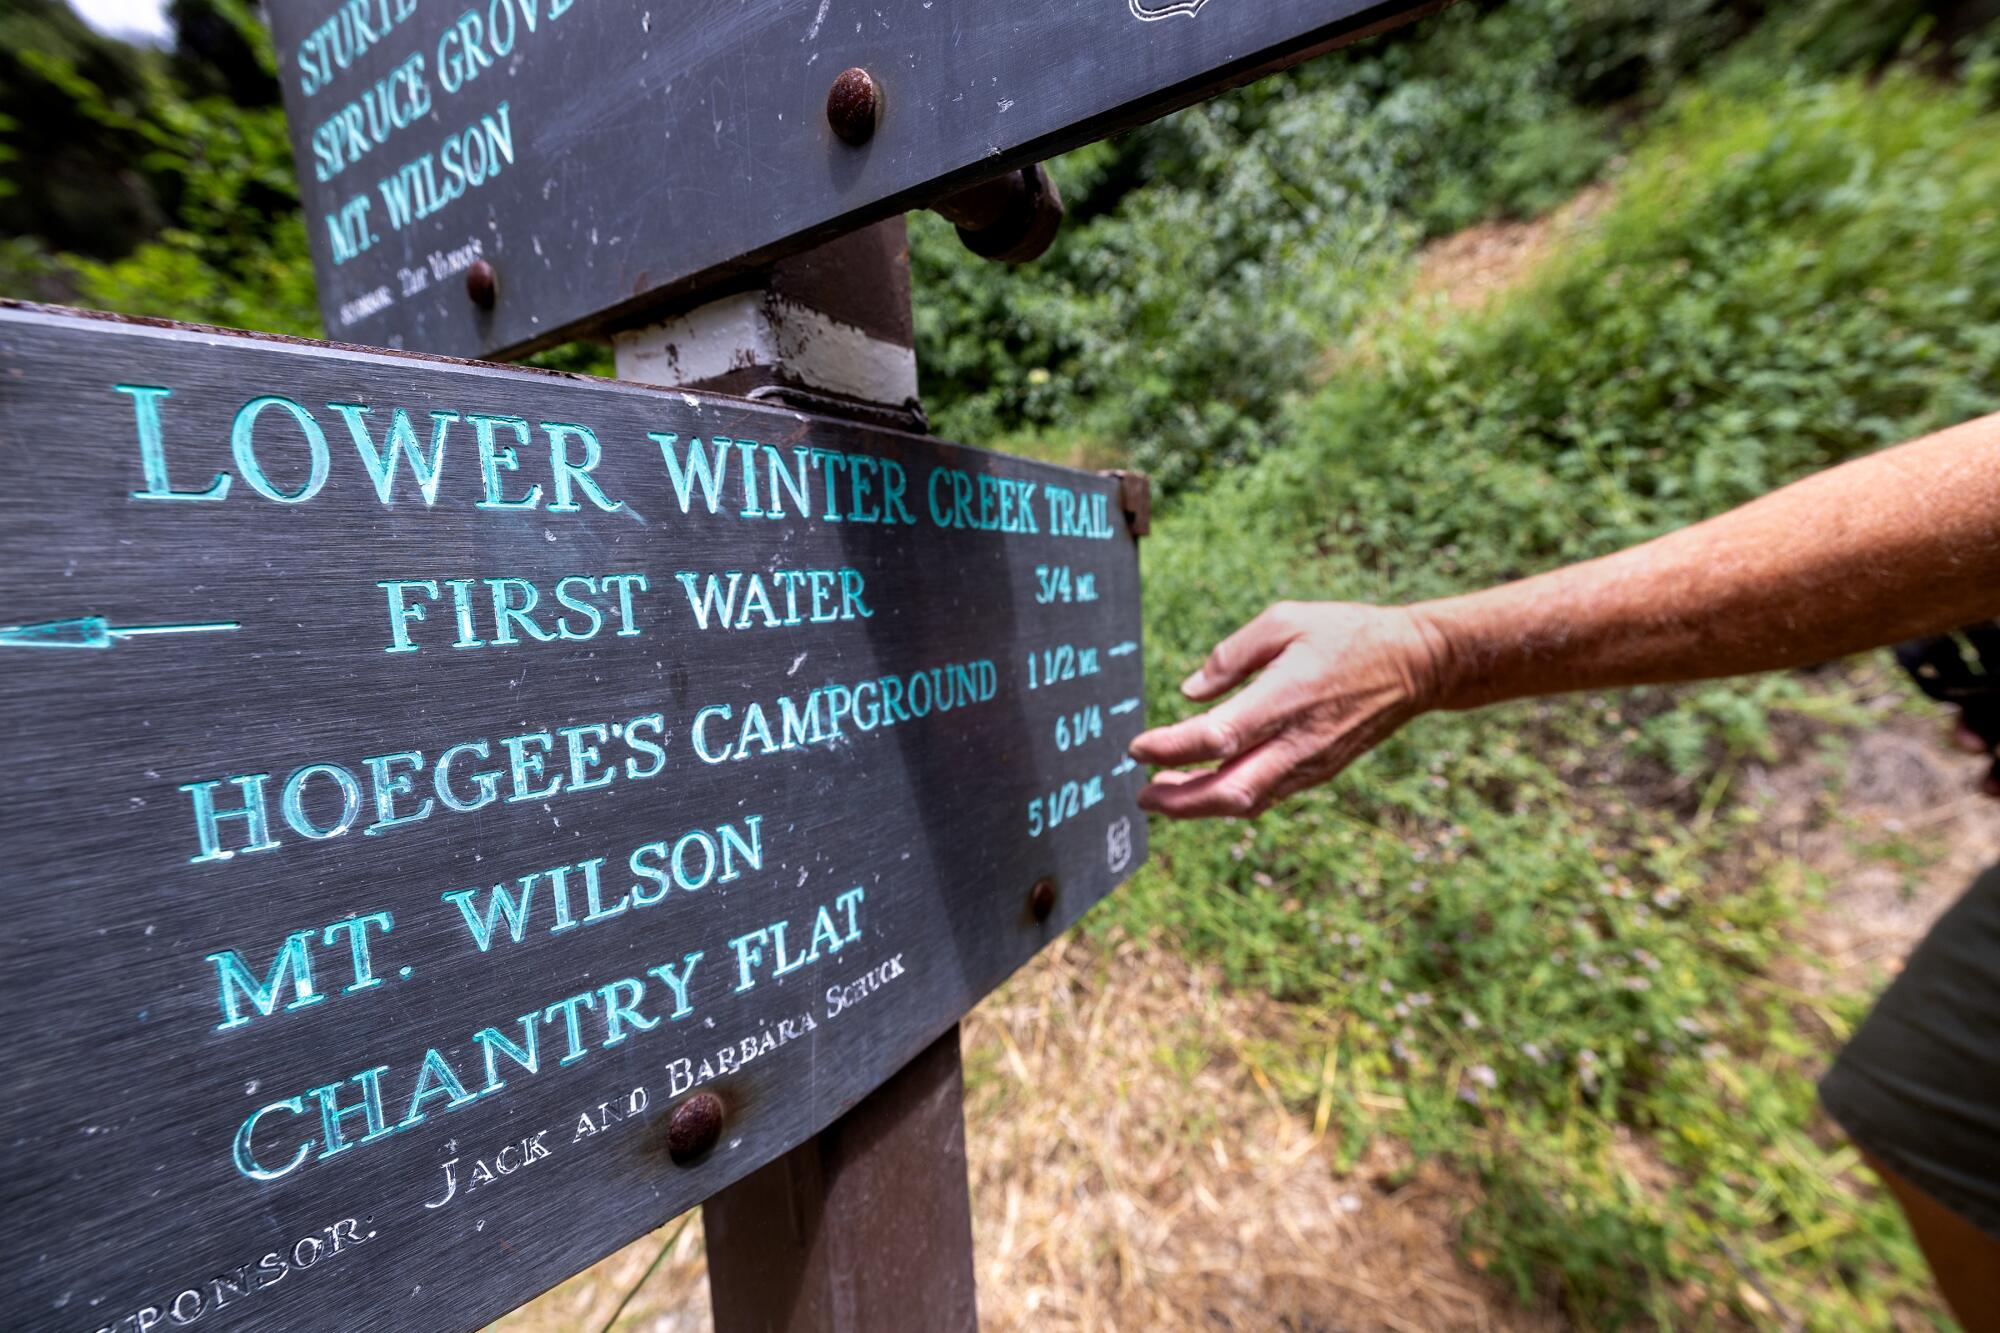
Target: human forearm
pixel 1902 543
pixel 1897 544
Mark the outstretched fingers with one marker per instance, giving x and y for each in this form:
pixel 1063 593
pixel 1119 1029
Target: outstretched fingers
pixel 1231 728
pixel 1244 652
pixel 1241 788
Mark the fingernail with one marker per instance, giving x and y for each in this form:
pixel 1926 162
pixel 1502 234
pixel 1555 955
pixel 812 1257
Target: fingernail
pixel 1193 684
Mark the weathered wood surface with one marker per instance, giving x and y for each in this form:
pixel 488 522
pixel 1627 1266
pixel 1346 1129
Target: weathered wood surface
pixel 861 1228
pixel 603 158
pixel 133 1192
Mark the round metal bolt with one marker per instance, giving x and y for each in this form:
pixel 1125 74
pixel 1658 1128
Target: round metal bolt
pixel 482 284
pixel 1042 898
pixel 694 1127
pixel 852 106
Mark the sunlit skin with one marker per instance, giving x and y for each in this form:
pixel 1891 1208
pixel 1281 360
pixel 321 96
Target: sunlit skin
pixel 1899 544
pixel 1902 543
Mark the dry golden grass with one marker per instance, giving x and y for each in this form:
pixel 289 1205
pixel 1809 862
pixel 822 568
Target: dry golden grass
pixel 1131 1169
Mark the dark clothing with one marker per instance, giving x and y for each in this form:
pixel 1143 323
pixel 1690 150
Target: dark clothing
pixel 1919 1085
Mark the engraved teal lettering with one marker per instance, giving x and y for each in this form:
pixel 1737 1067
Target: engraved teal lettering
pixel 626 584
pixel 575 602
pixel 399 441
pixel 487 784
pixel 153 450
pixel 677 982
pixel 243 1153
pixel 695 838
pixel 653 749
pixel 435 1079
pixel 637 862
pixel 506 613
pixel 582 755
pixel 295 808
pixel 493 457
pixel 493 1042
pixel 401 615
pixel 356 930
pixel 699 473
pixel 524 767
pixel 369 1108
pixel 243 444
pixel 620 1011
pixel 253 813
pixel 480 923
pixel 568 475
pixel 596 911
pixel 572 1029
pixel 734 844
pixel 234 979
pixel 389 785
pixel 461 600
pixel 700 737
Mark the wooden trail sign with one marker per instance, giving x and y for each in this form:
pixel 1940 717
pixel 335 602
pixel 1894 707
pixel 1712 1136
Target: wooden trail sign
pixel 604 158
pixel 423 782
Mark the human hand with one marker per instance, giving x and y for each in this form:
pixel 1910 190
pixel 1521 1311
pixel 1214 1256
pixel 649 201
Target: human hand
pixel 1332 680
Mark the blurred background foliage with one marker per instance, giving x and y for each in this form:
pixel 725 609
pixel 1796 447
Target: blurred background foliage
pixel 1542 943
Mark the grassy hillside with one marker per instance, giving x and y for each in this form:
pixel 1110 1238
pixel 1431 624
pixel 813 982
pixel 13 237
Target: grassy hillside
pixel 1548 932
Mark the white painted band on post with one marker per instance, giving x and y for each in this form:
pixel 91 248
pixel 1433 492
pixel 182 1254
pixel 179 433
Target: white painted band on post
pixel 757 329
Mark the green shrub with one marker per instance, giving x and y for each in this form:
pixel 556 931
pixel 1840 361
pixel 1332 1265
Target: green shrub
pixel 1550 969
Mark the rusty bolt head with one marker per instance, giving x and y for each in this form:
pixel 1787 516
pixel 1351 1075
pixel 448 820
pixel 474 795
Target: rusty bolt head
pixel 482 284
pixel 1042 898
pixel 694 1127
pixel 852 106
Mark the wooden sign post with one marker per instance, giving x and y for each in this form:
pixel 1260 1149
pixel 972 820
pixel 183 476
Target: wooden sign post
pixel 868 1225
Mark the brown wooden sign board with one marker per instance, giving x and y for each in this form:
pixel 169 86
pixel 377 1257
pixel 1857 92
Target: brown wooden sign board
pixel 419 778
pixel 607 158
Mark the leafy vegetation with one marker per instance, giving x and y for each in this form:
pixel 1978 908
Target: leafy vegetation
pixel 1515 927
pixel 1212 257
pixel 1539 942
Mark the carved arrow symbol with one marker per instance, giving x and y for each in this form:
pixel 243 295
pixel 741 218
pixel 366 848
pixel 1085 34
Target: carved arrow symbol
pixel 94 632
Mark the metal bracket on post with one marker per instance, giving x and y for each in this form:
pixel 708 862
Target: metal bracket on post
pixel 1135 496
pixel 1012 218
pixel 868 1225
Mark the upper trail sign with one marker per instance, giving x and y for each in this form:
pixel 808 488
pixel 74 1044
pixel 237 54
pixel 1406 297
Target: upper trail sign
pixel 603 158
pixel 422 781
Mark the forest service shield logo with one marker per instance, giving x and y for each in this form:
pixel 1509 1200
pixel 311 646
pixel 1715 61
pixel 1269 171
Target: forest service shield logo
pixel 1151 11
pixel 1118 845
